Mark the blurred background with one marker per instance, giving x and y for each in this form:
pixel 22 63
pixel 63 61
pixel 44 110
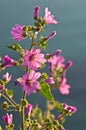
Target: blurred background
pixel 70 38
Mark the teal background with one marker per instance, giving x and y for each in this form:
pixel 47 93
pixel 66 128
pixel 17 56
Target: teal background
pixel 71 38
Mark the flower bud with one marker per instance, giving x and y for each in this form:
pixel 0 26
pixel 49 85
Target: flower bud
pixel 5 105
pixel 24 102
pixel 36 12
pixel 68 65
pixel 69 109
pixel 51 35
pixel 7 61
pixel 7 119
pixel 29 108
pixel 7 77
pixel 56 53
pixel 12 126
pixel 44 76
pixel 9 127
pixel 50 80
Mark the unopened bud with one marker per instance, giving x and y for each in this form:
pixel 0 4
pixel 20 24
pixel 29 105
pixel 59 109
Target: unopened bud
pixel 36 12
pixel 44 75
pixel 56 53
pixel 68 65
pixel 24 102
pixel 5 105
pixel 51 35
pixel 12 126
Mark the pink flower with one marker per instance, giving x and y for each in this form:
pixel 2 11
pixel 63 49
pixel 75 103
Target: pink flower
pixel 7 77
pixel 33 59
pixel 49 80
pixel 29 82
pixel 29 108
pixel 48 18
pixel 17 32
pixel 36 12
pixel 56 61
pixel 51 35
pixel 63 87
pixel 7 119
pixel 7 61
pixel 69 109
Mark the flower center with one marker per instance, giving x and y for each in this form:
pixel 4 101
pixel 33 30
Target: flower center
pixel 31 57
pixel 28 82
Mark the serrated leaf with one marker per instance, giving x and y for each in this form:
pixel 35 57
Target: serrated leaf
pixel 15 47
pixel 9 93
pixel 45 90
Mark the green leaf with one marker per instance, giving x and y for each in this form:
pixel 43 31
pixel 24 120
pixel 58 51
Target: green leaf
pixel 43 45
pixel 42 42
pixel 9 93
pixel 45 90
pixel 15 47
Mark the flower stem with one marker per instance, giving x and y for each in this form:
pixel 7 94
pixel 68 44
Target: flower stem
pixel 32 40
pixel 22 112
pixel 22 118
pixel 24 94
pixel 11 101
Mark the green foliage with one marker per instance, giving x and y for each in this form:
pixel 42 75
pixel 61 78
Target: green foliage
pixel 45 90
pixel 9 93
pixel 15 47
pixel 42 42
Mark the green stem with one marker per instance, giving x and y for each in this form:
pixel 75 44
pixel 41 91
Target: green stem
pixel 22 118
pixel 32 40
pixel 24 94
pixel 22 113
pixel 12 100
pixel 9 100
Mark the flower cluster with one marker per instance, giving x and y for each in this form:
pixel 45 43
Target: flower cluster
pixel 34 81
pixel 58 70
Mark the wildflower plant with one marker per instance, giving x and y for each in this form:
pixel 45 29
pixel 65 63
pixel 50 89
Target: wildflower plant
pixel 35 81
